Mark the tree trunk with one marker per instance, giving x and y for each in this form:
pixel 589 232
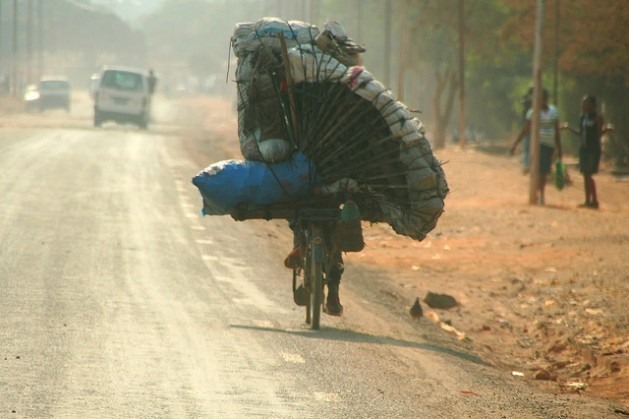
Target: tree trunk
pixel 442 118
pixel 402 13
pixel 452 89
pixel 439 140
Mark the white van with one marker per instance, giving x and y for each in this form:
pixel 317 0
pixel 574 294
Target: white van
pixel 122 95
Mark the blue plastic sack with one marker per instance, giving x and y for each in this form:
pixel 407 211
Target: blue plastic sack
pixel 226 184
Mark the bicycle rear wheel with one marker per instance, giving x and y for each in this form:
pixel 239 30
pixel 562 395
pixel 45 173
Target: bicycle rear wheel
pixel 315 273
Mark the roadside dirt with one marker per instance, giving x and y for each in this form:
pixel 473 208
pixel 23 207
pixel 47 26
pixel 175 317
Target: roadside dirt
pixel 542 291
pixel 10 105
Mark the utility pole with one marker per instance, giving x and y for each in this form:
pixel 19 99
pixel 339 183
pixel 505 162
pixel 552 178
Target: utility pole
pixel 279 5
pixel 462 73
pixel 307 6
pixel 2 80
pixel 556 64
pixel 402 61
pixel 314 12
pixel 359 22
pixel 29 41
pixel 40 38
pixel 301 15
pixel 14 52
pixel 387 42
pixel 537 102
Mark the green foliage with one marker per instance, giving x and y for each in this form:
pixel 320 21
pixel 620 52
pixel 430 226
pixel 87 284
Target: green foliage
pixel 592 56
pixel 496 73
pixel 499 40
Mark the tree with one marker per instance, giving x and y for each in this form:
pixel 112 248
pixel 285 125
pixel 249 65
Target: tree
pixel 75 37
pixel 593 56
pixel 436 53
pixel 191 37
pixel 93 36
pixel 493 69
pixel 448 79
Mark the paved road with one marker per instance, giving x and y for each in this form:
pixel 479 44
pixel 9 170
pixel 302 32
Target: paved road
pixel 117 300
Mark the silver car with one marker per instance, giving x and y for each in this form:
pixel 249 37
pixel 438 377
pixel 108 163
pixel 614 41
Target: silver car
pixel 52 92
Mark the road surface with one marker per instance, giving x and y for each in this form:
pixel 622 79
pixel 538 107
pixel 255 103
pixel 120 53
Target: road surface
pixel 118 300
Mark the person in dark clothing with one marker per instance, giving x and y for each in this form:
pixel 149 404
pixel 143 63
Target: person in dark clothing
pixel 152 81
pixel 591 129
pixel 333 275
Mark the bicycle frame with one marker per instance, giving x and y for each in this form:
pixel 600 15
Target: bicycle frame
pixel 315 257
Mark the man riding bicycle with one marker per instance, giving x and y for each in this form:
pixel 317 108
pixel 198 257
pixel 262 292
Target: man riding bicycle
pixel 335 270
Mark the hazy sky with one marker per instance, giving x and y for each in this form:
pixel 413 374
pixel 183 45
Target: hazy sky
pixel 129 10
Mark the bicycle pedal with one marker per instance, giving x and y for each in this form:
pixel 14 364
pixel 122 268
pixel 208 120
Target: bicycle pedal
pixel 300 296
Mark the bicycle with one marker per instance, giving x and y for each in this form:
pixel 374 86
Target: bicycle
pixel 315 259
pixel 320 236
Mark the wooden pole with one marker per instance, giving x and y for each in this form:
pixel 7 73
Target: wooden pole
pixel 556 64
pixel 537 102
pixel 359 22
pixel 308 12
pixel 1 57
pixel 314 12
pixel 388 10
pixel 40 38
pixel 29 41
pixel 402 61
pixel 14 68
pixel 462 73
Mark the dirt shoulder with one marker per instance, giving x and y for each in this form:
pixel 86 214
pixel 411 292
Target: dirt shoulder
pixel 10 105
pixel 542 291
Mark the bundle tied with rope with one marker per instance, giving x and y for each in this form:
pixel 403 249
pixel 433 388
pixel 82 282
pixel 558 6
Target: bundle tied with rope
pixel 303 92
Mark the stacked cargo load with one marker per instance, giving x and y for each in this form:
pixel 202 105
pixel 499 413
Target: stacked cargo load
pixel 303 92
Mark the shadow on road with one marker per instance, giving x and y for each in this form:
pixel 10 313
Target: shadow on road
pixel 357 337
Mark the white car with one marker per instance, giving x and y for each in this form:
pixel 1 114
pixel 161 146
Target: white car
pixel 51 92
pixel 122 95
pixel 94 82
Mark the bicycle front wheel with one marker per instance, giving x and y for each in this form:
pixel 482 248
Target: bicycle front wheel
pixel 315 273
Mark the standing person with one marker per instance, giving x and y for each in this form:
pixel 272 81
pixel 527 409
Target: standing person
pixel 590 131
pixel 152 81
pixel 549 141
pixel 527 103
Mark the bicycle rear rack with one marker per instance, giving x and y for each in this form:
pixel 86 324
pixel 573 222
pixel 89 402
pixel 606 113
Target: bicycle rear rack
pixel 319 214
